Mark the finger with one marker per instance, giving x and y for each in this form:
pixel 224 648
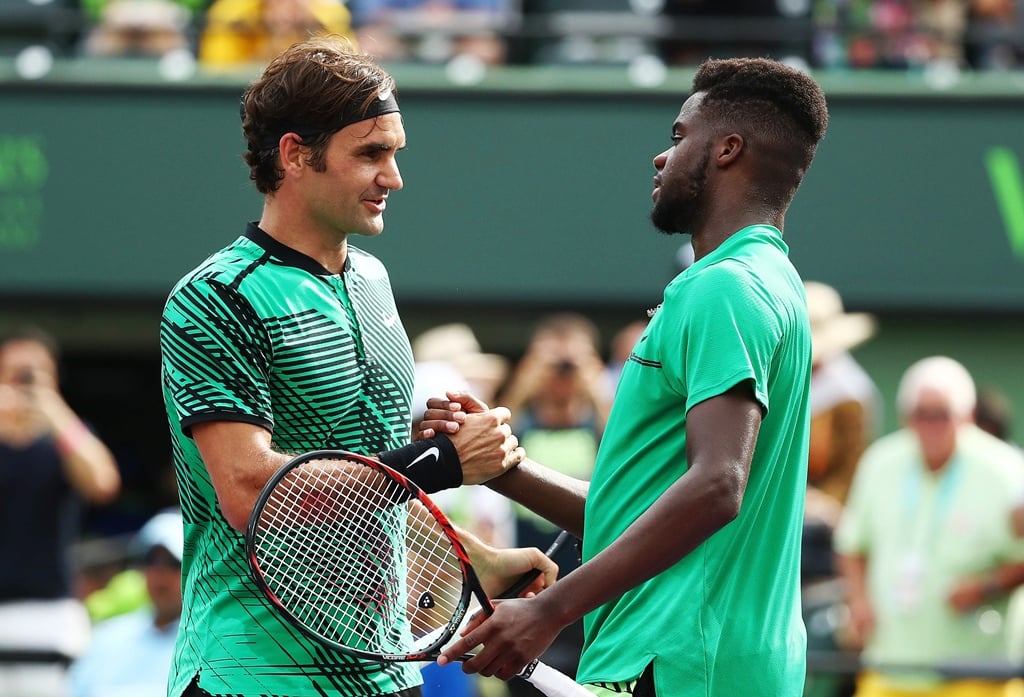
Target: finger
pixel 502 414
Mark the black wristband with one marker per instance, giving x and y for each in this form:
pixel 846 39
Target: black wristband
pixel 431 464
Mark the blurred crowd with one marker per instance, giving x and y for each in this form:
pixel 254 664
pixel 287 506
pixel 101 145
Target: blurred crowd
pixel 237 35
pixel 913 549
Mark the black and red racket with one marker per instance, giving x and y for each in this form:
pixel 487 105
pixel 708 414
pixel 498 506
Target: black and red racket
pixel 358 558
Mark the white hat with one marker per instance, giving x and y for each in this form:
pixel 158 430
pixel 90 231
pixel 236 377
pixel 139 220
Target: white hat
pixel 456 345
pixel 832 329
pixel 165 529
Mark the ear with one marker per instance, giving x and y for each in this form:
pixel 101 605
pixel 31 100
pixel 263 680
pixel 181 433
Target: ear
pixel 729 149
pixel 292 153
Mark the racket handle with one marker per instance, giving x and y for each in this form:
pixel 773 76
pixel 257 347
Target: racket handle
pixel 551 682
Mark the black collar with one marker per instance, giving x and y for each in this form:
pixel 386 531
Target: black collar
pixel 287 255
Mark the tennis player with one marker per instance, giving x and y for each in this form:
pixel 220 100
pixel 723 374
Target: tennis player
pixel 288 340
pixel 691 577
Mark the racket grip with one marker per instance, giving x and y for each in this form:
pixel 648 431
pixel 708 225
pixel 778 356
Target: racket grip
pixel 551 682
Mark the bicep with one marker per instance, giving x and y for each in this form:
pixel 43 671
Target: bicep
pixel 721 433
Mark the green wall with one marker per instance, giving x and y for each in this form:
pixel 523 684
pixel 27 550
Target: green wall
pixel 530 188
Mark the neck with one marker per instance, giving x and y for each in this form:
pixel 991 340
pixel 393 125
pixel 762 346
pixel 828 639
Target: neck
pixel 718 228
pixel 304 235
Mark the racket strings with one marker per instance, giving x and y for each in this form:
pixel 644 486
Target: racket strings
pixel 346 551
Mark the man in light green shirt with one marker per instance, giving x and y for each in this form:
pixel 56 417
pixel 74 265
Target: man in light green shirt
pixel 925 542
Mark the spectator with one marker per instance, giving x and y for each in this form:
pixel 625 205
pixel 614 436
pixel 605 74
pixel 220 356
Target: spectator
pixel 559 401
pixel 432 30
pixel 130 654
pixel 50 464
pixel 925 543
pixel 245 33
pixel 846 411
pixel 622 345
pixel 448 357
pixel 139 28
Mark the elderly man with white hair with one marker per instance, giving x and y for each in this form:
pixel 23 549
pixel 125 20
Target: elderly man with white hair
pixel 926 546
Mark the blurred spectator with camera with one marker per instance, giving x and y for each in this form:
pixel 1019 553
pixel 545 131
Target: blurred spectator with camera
pixel 130 654
pixel 926 547
pixel 51 464
pixel 559 400
pixel 240 34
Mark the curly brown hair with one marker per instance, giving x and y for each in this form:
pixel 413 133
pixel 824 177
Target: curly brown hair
pixel 309 89
pixel 780 111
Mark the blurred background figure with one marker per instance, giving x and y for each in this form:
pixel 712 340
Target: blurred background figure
pixel 246 33
pixel 846 415
pixel 925 543
pixel 51 464
pixel 448 357
pixel 130 654
pixel 139 28
pixel 622 345
pixel 559 401
pixel 846 406
pixel 432 31
pixel 994 413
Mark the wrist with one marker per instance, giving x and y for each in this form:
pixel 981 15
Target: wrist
pixel 432 464
pixel 992 589
pixel 70 438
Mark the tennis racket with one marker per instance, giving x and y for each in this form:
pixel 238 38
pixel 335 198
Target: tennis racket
pixel 359 559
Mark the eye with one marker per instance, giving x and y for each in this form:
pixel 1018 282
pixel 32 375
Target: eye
pixel 676 138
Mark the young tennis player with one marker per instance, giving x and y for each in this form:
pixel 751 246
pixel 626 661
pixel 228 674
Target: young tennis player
pixel 691 523
pixel 288 340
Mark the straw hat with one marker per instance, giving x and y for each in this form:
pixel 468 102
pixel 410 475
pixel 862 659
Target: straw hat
pixel 834 330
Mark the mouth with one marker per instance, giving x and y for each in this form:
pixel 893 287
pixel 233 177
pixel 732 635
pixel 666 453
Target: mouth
pixel 657 188
pixel 376 204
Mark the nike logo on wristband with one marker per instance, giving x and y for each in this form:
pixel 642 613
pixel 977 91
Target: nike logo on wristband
pixel 431 452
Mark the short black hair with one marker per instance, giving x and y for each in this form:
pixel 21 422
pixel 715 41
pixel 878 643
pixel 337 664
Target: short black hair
pixel 779 108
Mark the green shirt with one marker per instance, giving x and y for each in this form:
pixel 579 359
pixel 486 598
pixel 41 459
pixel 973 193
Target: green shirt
pixel 262 334
pixel 922 532
pixel 725 620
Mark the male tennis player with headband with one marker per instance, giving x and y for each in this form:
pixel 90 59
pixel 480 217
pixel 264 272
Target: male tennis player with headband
pixel 286 341
pixel 692 521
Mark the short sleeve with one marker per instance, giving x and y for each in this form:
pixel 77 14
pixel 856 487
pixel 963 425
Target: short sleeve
pixel 215 356
pixel 728 336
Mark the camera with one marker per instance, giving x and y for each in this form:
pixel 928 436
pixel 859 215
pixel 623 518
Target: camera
pixel 565 367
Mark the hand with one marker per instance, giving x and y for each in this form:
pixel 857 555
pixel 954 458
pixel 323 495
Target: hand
pixel 486 445
pixel 862 621
pixel 448 415
pixel 517 632
pixel 967 595
pixel 500 568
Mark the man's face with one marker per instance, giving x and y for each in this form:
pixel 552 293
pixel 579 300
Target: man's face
pixel 682 172
pixel 935 424
pixel 24 362
pixel 350 195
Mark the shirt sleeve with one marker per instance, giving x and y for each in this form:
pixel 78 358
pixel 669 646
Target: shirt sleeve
pixel 215 356
pixel 728 336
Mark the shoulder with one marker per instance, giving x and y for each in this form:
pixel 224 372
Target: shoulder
pixel 999 457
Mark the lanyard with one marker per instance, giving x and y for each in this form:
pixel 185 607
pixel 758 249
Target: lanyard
pixel 926 536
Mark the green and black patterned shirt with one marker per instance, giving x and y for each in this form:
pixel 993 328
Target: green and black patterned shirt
pixel 263 334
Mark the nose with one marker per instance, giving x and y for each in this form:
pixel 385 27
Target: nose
pixel 390 177
pixel 660 160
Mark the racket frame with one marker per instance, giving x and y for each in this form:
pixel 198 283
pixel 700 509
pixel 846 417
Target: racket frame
pixel 471 586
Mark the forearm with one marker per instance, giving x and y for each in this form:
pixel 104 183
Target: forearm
pixel 666 533
pixel 88 464
pixel 552 495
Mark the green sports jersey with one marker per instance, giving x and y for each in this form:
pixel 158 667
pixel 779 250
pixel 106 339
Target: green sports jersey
pixel 725 620
pixel 262 334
